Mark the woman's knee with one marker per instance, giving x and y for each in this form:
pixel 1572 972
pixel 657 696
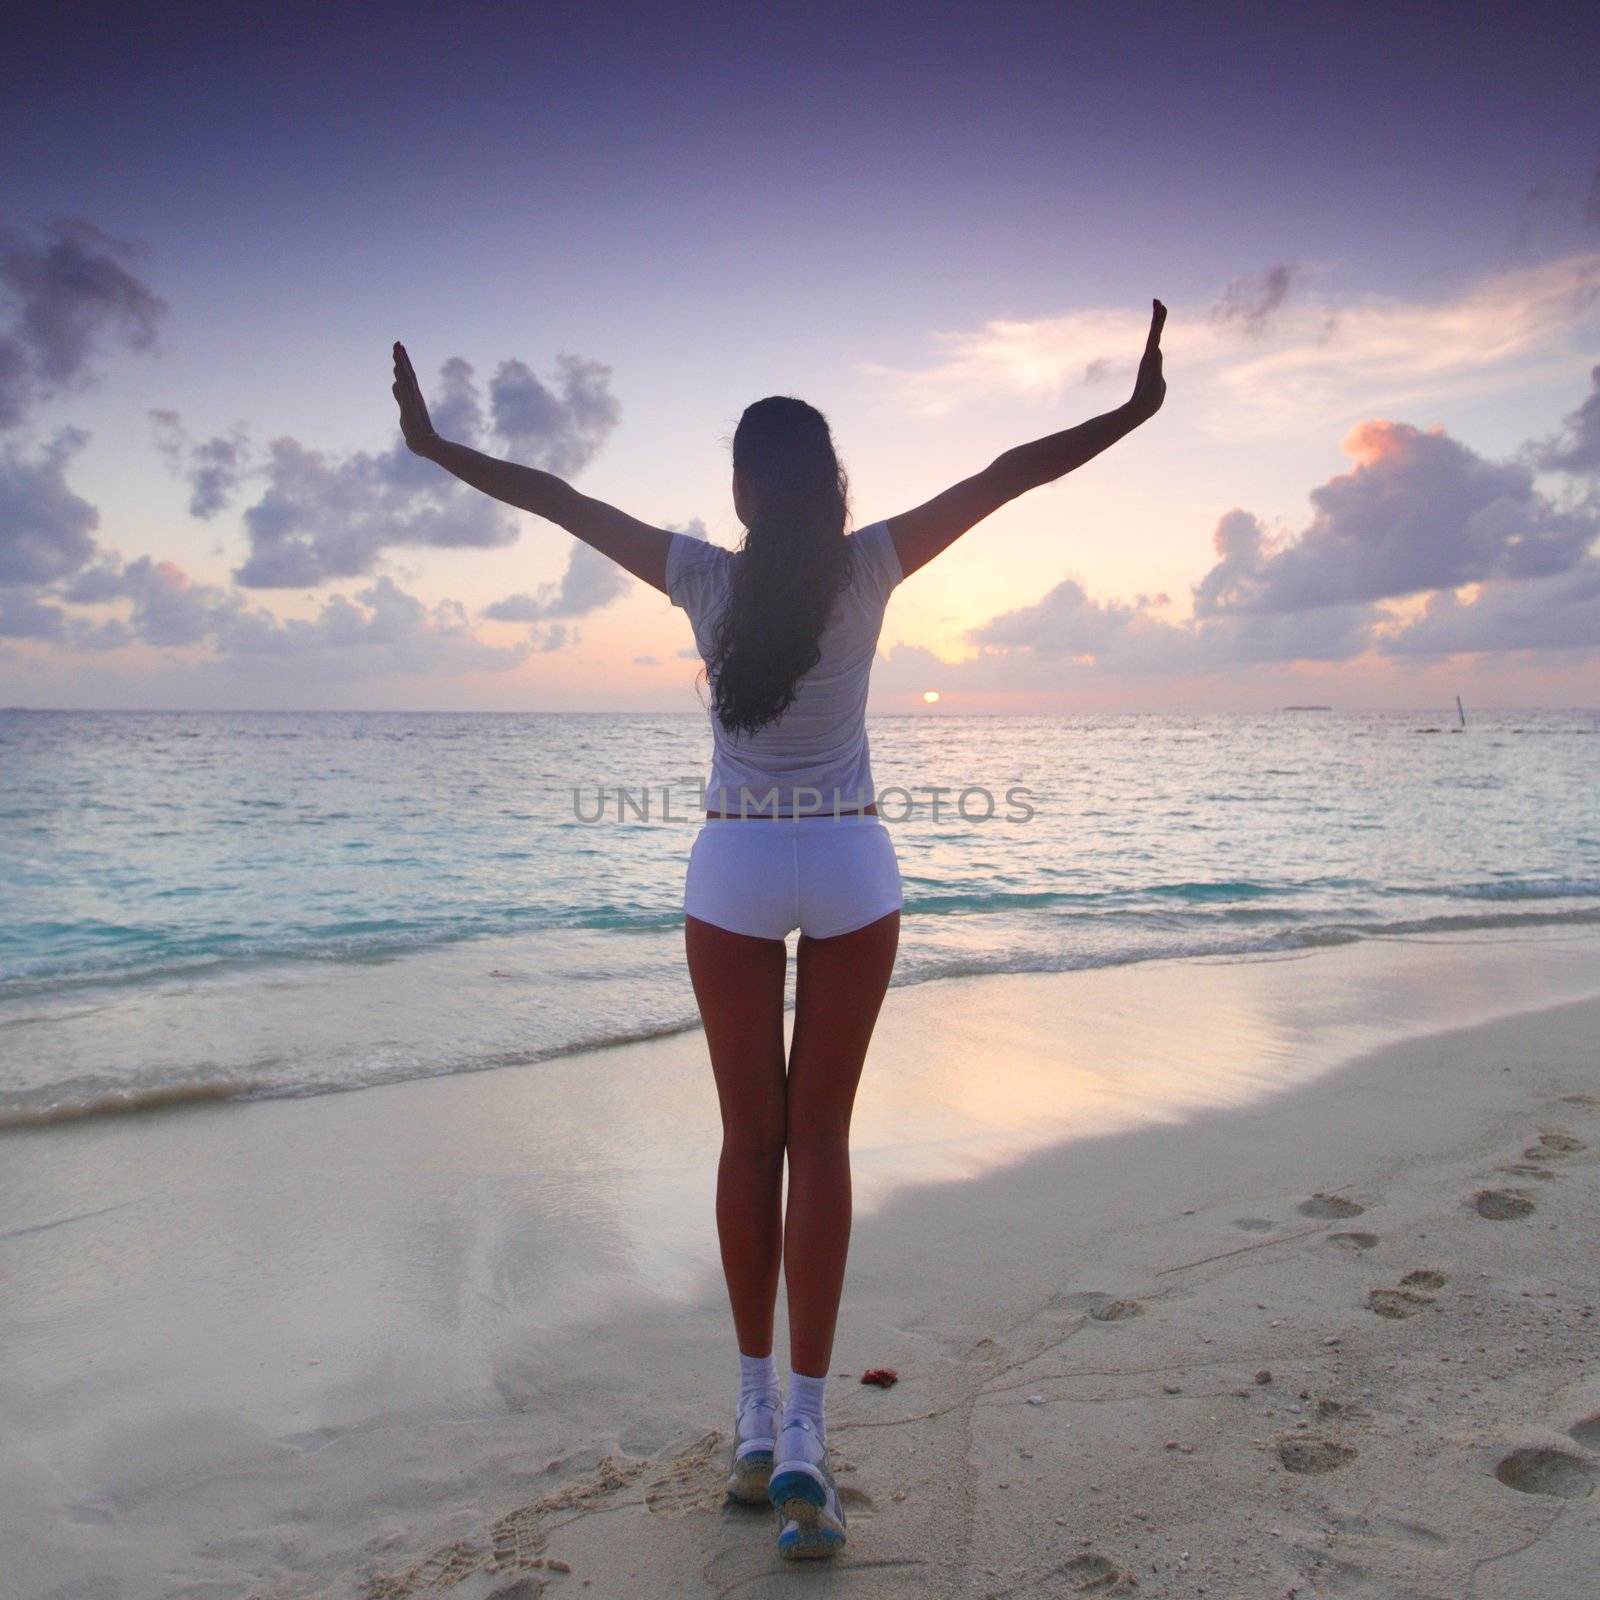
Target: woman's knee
pixel 758 1149
pixel 817 1143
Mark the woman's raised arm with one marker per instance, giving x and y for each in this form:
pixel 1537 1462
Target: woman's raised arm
pixel 921 534
pixel 636 546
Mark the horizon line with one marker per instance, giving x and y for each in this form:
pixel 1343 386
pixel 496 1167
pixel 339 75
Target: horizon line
pixel 928 712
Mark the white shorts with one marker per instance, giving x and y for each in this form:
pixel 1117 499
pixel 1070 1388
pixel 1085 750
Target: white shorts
pixel 824 875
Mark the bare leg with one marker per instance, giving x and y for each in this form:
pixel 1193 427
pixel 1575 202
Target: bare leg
pixel 840 985
pixel 738 982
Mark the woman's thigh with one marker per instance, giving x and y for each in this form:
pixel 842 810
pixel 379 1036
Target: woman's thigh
pixel 839 988
pixel 738 983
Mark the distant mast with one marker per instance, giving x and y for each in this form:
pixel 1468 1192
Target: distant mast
pixel 1460 713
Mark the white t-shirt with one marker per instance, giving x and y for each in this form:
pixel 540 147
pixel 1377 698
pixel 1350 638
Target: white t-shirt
pixel 818 747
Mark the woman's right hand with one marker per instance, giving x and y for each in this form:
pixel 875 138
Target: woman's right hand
pixel 414 421
pixel 1150 388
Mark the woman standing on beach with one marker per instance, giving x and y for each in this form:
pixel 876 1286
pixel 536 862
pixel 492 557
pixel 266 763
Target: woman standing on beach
pixel 788 627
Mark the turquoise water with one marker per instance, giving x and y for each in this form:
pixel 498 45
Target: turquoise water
pixel 271 903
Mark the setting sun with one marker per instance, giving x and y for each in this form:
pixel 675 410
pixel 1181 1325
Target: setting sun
pixel 930 697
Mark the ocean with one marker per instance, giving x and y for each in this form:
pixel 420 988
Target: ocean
pixel 220 904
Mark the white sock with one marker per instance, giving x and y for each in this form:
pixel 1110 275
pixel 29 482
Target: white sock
pixel 806 1400
pixel 758 1377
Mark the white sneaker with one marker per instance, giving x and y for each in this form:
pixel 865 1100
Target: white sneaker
pixel 754 1439
pixel 810 1517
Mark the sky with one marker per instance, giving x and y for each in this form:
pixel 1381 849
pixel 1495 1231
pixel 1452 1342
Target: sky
pixel 602 231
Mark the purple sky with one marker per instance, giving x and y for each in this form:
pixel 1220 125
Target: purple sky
pixel 602 232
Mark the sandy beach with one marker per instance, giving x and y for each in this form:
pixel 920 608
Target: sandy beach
pixel 1262 1278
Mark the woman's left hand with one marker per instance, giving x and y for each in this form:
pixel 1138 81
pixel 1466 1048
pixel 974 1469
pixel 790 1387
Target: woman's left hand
pixel 1150 388
pixel 414 421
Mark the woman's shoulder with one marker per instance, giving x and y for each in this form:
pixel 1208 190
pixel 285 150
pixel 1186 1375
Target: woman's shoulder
pixel 875 563
pixel 696 571
pixel 693 549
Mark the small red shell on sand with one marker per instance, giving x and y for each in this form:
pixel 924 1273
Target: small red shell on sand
pixel 883 1377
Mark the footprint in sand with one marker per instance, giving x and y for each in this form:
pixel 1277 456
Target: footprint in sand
pixel 1397 1303
pixel 1413 1532
pixel 1081 1300
pixel 1587 1432
pixel 521 1589
pixel 519 1538
pixel 1344 1577
pixel 1089 1574
pixel 1309 1456
pixel 1329 1205
pixel 691 1480
pixel 1425 1278
pixel 1543 1471
pixel 1565 1142
pixel 1353 1241
pixel 1580 1100
pixel 1255 1224
pixel 449 1565
pixel 1522 1169
pixel 1552 1146
pixel 1502 1205
pixel 1116 1311
pixel 1330 1410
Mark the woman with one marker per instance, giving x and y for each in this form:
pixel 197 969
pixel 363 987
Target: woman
pixel 787 627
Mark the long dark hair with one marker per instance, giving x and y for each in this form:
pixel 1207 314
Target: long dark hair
pixel 792 563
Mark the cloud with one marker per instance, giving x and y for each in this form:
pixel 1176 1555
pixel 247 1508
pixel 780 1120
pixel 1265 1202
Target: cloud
pixel 388 628
pixel 395 630
pixel 1260 362
pixel 213 468
pixel 1240 542
pixel 45 529
pixel 1250 302
pixel 457 410
pixel 323 517
pixel 560 435
pixel 1040 358
pixel 590 581
pixel 1380 353
pixel 1577 449
pixel 169 608
pixel 24 616
pixel 647 661
pixel 1555 613
pixel 93 585
pixel 1067 623
pixel 319 517
pixel 70 293
pixel 111 633
pixel 1553 207
pixel 1072 631
pixel 1419 511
